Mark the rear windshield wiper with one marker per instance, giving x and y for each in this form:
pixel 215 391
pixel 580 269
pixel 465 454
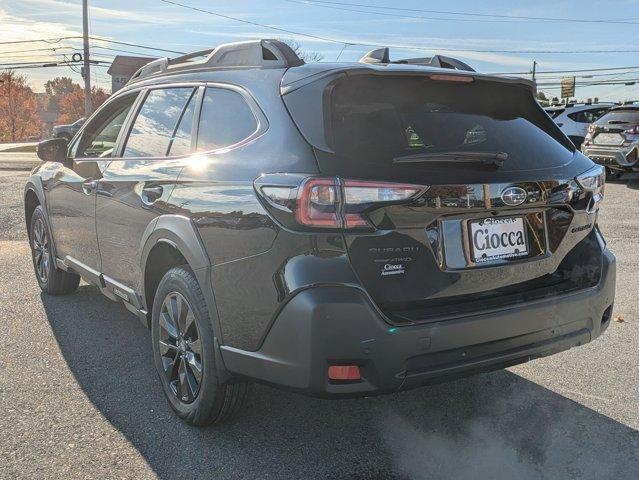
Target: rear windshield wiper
pixel 485 158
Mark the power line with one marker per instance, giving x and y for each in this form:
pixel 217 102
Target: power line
pixel 593 83
pixel 256 24
pixel 100 39
pixel 47 40
pixel 567 71
pixel 119 50
pixel 406 47
pixel 10 66
pixel 52 65
pixel 475 14
pixel 387 14
pixel 37 50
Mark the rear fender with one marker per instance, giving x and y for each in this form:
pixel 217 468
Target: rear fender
pixel 179 232
pixel 34 184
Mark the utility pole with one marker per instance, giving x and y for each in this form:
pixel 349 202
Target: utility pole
pixel 534 70
pixel 86 70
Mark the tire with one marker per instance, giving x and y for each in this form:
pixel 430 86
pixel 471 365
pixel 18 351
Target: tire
pixel 51 279
pixel 612 174
pixel 184 353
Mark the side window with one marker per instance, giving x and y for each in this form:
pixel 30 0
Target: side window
pixel 588 116
pixel 226 119
pixel 181 141
pixel 154 125
pixel 100 135
pixel 597 114
pixel 579 117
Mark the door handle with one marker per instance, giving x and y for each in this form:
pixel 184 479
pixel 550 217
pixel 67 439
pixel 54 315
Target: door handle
pixel 89 186
pixel 151 194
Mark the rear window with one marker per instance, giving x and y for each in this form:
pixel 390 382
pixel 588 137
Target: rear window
pixel 372 120
pixel 620 116
pixel 154 125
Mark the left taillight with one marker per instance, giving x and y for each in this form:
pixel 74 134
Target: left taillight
pixel 332 202
pixel 318 203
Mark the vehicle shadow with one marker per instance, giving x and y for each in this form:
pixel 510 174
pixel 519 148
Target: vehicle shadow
pixel 491 426
pixel 631 180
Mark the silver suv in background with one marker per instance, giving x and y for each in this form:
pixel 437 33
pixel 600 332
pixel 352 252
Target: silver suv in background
pixel 574 119
pixel 613 140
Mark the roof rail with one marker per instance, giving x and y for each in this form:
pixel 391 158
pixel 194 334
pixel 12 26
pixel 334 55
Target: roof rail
pixel 265 53
pixel 381 55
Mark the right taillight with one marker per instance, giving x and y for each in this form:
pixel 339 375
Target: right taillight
pixel 360 195
pixel 593 181
pixel 331 202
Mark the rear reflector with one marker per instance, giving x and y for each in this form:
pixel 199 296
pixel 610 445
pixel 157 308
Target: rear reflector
pixel 344 372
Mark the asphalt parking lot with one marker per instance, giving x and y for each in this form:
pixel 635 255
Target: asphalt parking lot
pixel 80 397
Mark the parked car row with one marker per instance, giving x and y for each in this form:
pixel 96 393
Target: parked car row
pixel 613 140
pixel 573 120
pixel 607 133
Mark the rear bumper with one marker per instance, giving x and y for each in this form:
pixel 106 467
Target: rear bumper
pixel 624 157
pixel 322 326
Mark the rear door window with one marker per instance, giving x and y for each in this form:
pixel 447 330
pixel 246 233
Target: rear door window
pixel 156 122
pixel 181 140
pixel 226 119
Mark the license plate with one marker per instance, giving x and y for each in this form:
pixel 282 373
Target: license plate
pixel 608 139
pixel 498 238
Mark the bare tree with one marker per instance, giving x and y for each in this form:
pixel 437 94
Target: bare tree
pixel 306 55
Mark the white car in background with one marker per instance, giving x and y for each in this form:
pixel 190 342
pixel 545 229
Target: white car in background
pixel 573 119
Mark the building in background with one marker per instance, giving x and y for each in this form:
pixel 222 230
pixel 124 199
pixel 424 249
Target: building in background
pixel 123 68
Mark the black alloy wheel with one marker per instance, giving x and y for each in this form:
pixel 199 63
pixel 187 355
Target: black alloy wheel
pixel 180 347
pixel 184 352
pixel 41 250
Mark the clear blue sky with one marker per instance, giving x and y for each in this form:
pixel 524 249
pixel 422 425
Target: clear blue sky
pixel 153 23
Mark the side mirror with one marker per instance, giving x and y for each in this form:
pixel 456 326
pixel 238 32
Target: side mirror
pixel 53 150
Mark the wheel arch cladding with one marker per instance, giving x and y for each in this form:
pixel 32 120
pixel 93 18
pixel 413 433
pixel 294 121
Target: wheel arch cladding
pixel 33 196
pixel 31 201
pixel 173 241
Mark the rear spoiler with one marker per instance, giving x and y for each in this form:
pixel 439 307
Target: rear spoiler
pixel 295 78
pixel 382 56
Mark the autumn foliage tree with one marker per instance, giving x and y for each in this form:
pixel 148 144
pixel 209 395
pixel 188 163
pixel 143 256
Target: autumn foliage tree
pixel 19 118
pixel 72 104
pixel 58 88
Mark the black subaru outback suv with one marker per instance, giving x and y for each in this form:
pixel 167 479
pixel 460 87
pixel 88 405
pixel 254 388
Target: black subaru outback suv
pixel 337 229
